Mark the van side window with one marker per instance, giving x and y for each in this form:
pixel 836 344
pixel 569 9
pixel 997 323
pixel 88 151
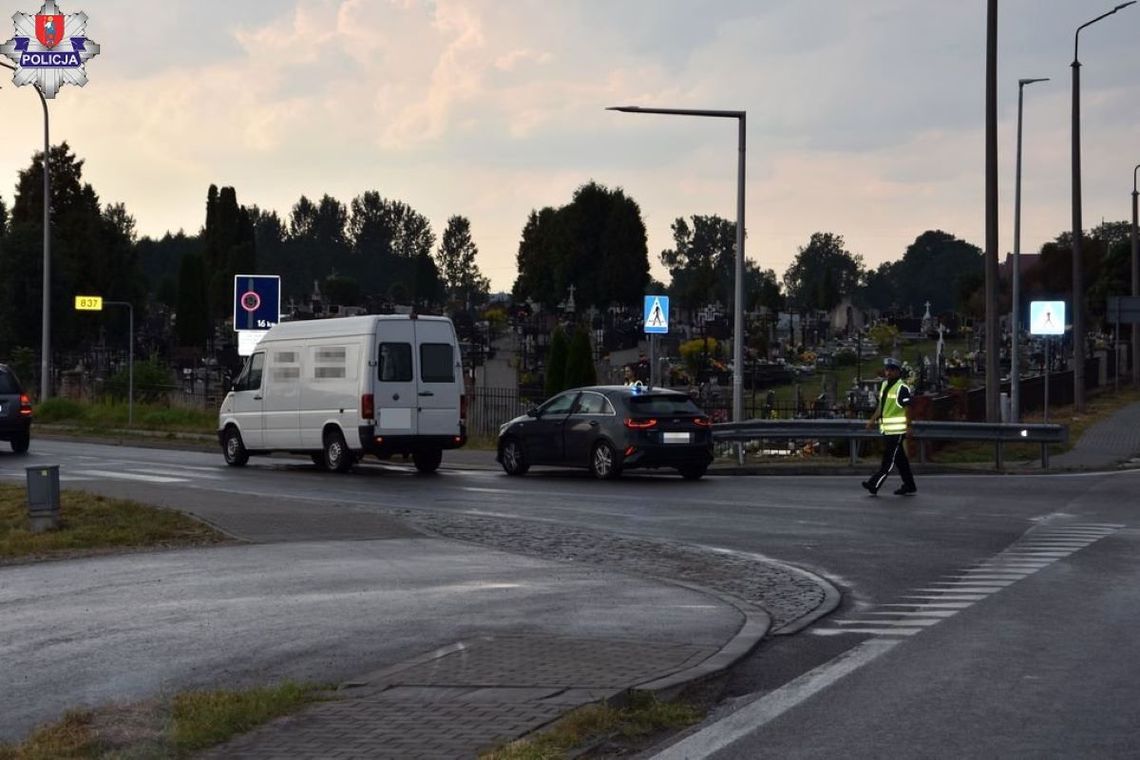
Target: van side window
pixel 252 380
pixel 436 364
pixel 395 365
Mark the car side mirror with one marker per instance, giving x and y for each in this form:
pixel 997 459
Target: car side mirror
pixel 532 412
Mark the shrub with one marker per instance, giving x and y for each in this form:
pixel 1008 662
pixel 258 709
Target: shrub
pixel 153 379
pixel 580 369
pixel 60 410
pixel 556 363
pixel 845 357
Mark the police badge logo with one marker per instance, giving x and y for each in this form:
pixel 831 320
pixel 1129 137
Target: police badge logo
pixel 50 49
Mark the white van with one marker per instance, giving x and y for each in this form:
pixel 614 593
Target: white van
pixel 338 389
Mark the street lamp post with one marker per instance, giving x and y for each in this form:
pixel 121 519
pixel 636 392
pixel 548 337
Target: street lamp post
pixel 1078 294
pixel 45 328
pixel 1135 282
pixel 1015 332
pixel 738 307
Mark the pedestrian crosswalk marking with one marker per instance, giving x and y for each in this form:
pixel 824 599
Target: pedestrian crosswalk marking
pixel 943 599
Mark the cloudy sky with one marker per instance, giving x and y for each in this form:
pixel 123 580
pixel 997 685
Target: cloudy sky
pixel 865 117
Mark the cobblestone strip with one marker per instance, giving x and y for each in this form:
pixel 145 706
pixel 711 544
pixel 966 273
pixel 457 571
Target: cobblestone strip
pixel 788 595
pixel 464 700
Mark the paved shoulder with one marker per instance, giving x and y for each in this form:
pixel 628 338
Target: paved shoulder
pixel 1106 443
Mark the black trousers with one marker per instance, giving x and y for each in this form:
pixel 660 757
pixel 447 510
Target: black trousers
pixel 894 454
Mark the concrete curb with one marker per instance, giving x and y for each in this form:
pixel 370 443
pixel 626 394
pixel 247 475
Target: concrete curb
pixel 756 625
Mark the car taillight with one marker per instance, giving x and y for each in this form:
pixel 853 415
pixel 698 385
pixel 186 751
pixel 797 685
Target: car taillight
pixel 463 409
pixel 702 421
pixel 633 424
pixel 367 406
pixel 25 405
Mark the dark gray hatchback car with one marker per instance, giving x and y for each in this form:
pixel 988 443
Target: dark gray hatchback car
pixel 15 411
pixel 609 429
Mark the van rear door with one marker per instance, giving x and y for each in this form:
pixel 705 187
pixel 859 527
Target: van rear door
pixel 439 378
pixel 396 387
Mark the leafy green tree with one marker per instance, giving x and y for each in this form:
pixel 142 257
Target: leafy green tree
pixel 596 244
pixel 539 257
pixel 556 360
pixel 580 368
pixel 823 273
pixel 762 288
pixel 314 244
pixel 340 290
pixel 161 259
pixel 389 242
pixel 456 262
pixel 702 262
pixel 937 267
pixel 192 317
pixel 229 246
pixel 92 252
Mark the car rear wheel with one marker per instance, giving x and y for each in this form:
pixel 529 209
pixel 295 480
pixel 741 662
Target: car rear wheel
pixel 233 449
pixel 692 471
pixel 21 442
pixel 427 461
pixel 318 460
pixel 514 463
pixel 604 462
pixel 337 456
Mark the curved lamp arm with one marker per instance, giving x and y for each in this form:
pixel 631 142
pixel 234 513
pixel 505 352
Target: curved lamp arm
pixel 1077 36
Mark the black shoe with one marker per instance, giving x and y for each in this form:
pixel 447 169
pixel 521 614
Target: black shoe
pixel 867 484
pixel 906 490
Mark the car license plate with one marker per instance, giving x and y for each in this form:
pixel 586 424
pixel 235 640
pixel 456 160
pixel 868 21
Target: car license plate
pixel 675 437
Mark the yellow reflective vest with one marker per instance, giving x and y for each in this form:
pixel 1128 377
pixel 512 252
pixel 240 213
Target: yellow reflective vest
pixel 892 421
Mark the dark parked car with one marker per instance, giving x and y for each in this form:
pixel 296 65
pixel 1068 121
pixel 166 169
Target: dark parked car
pixel 15 411
pixel 609 429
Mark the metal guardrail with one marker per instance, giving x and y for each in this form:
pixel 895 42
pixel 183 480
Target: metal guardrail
pixel 921 430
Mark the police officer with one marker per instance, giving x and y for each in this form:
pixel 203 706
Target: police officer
pixel 894 398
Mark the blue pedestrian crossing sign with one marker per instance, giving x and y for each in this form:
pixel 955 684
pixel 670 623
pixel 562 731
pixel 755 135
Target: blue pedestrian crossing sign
pixel 257 301
pixel 657 315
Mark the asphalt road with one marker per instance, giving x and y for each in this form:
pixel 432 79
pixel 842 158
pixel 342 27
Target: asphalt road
pixel 1034 658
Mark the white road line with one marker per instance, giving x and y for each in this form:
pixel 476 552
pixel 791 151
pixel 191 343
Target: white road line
pixel 128 476
pixel 896 632
pixel 964 589
pixel 899 623
pixel 178 473
pixel 955 597
pixel 931 605
pixel 922 613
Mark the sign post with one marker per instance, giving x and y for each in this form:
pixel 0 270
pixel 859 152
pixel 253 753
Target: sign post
pixel 96 303
pixel 656 322
pixel 1047 318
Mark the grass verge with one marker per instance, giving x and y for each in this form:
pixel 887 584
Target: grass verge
pixel 642 716
pixel 174 728
pixel 91 524
pixel 101 417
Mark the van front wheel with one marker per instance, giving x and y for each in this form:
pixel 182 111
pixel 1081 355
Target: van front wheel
pixel 337 456
pixel 233 449
pixel 427 461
